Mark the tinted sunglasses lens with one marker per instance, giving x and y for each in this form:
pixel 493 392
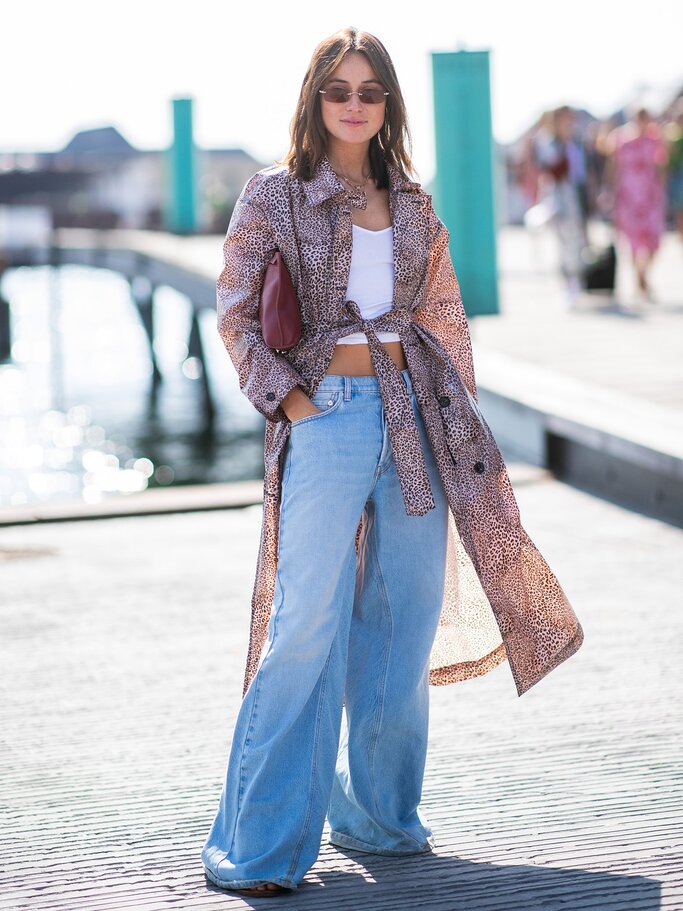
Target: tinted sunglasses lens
pixel 372 96
pixel 336 96
pixel 369 96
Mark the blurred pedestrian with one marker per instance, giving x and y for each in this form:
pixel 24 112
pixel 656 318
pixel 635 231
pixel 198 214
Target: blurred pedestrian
pixel 674 139
pixel 562 162
pixel 636 172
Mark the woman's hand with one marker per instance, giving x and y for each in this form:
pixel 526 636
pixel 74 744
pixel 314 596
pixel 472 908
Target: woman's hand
pixel 296 404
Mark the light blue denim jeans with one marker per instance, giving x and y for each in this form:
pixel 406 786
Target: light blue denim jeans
pixel 343 628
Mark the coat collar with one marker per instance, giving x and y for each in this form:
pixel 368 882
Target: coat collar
pixel 325 183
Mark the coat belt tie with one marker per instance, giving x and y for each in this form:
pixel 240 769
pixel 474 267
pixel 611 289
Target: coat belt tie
pixel 404 434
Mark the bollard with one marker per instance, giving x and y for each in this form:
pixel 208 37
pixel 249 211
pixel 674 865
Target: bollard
pixel 181 201
pixel 464 185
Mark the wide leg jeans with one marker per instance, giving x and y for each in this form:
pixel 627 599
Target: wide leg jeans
pixel 344 628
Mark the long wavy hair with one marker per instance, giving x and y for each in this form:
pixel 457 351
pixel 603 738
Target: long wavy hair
pixel 307 131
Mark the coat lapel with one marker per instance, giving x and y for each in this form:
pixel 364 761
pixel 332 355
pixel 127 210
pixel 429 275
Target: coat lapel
pixel 406 203
pixel 324 183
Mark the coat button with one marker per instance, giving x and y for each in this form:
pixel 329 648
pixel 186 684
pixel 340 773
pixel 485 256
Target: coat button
pixel 479 467
pixel 270 396
pixel 444 401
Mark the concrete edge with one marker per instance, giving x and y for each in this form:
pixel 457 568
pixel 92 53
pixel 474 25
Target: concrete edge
pixel 595 415
pixel 613 445
pixel 184 498
pixel 155 501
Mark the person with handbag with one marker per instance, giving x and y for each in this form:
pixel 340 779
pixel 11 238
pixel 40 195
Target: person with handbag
pixel 562 164
pixel 392 555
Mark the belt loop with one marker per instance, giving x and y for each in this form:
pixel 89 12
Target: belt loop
pixel 347 388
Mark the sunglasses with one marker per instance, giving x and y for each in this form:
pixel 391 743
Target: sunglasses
pixel 340 96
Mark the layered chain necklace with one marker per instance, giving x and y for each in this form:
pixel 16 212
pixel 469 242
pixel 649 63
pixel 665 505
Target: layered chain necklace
pixel 356 191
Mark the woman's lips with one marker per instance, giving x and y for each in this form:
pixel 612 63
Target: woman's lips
pixel 354 123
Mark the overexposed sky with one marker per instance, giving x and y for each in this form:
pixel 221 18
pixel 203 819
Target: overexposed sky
pixel 77 65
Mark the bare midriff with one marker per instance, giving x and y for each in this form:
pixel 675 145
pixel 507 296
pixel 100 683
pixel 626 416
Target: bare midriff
pixel 355 360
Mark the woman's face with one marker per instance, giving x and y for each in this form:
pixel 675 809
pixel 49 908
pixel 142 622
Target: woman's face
pixel 353 121
pixel 564 124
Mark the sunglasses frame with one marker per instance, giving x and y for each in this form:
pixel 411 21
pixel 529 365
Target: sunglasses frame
pixel 348 96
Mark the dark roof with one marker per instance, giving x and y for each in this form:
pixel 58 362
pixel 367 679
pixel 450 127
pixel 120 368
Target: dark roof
pixel 101 141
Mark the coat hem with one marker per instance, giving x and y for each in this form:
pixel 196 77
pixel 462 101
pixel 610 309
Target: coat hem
pixel 466 670
pixel 565 652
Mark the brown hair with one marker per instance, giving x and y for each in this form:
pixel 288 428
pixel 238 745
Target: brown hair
pixel 307 130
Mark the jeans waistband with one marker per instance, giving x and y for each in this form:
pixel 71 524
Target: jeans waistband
pixel 358 384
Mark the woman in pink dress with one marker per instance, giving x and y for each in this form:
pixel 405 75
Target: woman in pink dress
pixel 637 171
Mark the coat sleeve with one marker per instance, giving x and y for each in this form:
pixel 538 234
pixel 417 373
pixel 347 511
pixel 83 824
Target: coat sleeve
pixel 265 376
pixel 443 313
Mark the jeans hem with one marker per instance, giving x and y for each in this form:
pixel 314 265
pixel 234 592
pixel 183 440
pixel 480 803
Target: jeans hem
pixel 247 883
pixel 346 841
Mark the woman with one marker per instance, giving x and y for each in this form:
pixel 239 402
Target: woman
pixel 636 172
pixel 365 591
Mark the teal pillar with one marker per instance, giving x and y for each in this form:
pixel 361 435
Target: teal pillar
pixel 464 183
pixel 181 215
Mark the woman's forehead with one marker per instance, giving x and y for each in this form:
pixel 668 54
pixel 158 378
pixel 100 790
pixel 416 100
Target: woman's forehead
pixel 346 81
pixel 354 62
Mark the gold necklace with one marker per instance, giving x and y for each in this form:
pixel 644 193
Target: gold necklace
pixel 357 194
pixel 355 186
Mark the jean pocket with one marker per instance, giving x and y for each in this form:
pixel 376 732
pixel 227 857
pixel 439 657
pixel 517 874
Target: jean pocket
pixel 326 401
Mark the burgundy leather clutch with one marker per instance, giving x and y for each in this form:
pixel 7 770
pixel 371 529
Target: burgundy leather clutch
pixel 279 312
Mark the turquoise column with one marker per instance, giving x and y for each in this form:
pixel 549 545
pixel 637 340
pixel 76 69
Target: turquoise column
pixel 464 184
pixel 181 214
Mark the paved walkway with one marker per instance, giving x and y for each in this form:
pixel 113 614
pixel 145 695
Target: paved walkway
pixel 121 677
pixel 618 344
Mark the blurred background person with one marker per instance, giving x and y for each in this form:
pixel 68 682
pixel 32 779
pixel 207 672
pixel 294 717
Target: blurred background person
pixel 635 174
pixel 562 163
pixel 595 166
pixel 674 141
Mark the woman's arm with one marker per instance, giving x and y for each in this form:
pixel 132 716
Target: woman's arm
pixel 265 376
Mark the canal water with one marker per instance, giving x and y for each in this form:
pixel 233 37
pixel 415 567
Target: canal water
pixel 79 419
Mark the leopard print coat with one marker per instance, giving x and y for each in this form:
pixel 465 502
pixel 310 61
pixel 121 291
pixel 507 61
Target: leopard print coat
pixel 501 599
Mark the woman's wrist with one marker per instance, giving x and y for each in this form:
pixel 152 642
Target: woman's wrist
pixel 296 404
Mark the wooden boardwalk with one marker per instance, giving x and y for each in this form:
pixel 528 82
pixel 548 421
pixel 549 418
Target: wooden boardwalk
pixel 123 650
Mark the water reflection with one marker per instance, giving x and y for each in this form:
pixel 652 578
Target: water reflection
pixel 64 456
pixel 79 416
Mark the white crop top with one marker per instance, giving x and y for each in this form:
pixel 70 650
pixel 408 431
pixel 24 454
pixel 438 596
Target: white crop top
pixel 371 279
